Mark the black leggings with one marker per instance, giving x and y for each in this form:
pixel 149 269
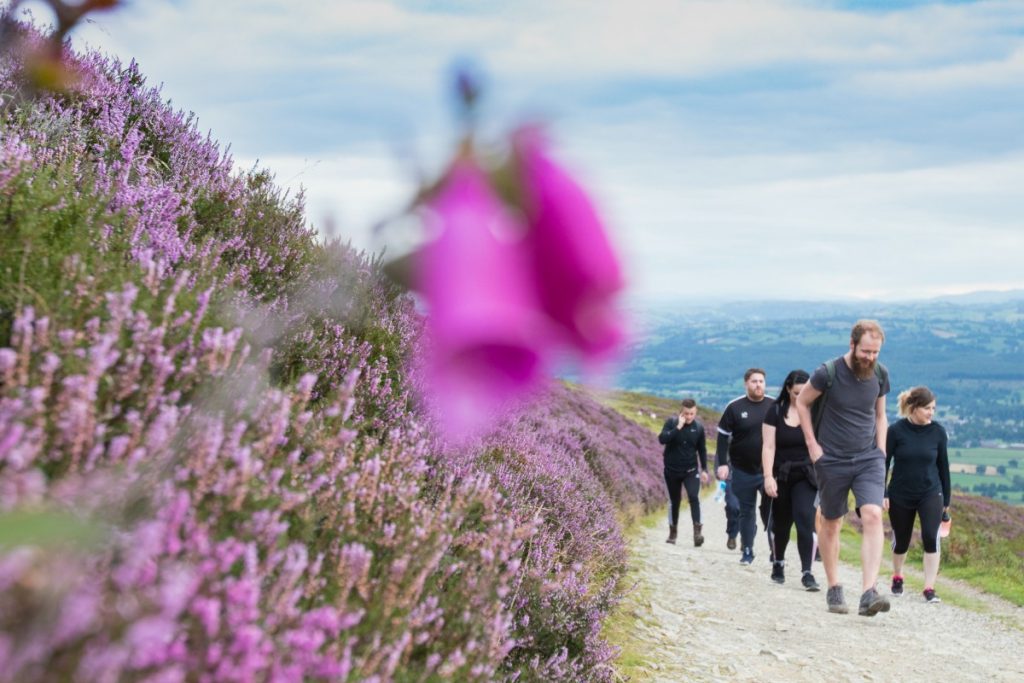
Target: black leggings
pixel 675 483
pixel 795 503
pixel 902 521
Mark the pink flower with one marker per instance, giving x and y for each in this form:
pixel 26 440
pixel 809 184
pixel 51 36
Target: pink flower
pixel 578 274
pixel 489 338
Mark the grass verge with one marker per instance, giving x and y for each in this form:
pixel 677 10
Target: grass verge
pixel 620 628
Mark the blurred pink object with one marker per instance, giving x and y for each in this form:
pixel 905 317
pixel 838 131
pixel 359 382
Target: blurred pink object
pixel 488 336
pixel 577 270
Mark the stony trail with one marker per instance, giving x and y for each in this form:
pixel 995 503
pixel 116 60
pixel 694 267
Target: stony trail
pixel 701 616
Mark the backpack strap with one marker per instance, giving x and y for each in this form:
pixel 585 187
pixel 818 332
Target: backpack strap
pixel 882 373
pixel 818 408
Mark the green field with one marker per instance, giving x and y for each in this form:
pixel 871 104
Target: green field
pixel 992 457
pixel 987 456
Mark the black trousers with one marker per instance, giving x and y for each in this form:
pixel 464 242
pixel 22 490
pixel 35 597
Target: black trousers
pixel 794 504
pixel 675 483
pixel 902 520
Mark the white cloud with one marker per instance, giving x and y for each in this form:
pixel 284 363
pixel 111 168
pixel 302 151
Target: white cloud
pixel 346 195
pixel 903 233
pixel 553 41
pixel 733 143
pixel 1007 71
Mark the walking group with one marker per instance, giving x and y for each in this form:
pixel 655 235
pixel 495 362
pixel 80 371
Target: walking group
pixel 824 437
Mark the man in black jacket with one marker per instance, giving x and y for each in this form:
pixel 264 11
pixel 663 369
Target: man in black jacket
pixel 686 464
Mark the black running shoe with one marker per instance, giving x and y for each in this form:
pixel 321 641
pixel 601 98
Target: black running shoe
pixel 778 572
pixel 930 596
pixel 897 586
pixel 809 583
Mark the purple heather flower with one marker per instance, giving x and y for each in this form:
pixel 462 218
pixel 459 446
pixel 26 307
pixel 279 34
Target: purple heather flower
pixel 577 270
pixel 489 340
pixel 8 359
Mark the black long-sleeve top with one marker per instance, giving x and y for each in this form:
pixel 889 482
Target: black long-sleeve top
pixel 919 461
pixel 739 433
pixel 683 446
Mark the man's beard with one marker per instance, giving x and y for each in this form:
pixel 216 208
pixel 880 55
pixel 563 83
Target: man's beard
pixel 863 370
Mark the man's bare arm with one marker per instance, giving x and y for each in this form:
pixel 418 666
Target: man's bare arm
pixel 803 408
pixel 881 423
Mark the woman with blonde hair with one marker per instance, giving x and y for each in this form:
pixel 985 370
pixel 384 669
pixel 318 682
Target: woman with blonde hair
pixel 916 451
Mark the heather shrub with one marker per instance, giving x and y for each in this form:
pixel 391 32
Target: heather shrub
pixel 47 246
pixel 552 462
pixel 985 545
pixel 343 308
pixel 263 540
pixel 230 406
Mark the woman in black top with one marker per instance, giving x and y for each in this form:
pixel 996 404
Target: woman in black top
pixel 789 481
pixel 915 449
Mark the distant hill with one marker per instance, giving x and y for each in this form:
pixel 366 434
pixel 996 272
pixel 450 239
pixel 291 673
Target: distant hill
pixel 983 297
pixel 969 349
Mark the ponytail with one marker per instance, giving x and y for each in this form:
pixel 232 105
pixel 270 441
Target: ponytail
pixel 915 397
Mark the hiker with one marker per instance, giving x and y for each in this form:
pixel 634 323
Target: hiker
pixel 739 456
pixel 789 481
pixel 686 464
pixel 915 450
pixel 846 441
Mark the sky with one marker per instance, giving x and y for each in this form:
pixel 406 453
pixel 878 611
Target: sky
pixel 737 149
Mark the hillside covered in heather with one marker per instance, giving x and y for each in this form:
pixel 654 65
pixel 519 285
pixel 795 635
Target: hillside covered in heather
pixel 215 461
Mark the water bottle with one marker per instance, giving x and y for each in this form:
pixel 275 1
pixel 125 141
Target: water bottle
pixel 720 493
pixel 945 524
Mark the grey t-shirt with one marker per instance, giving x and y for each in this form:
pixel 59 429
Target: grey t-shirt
pixel 847 427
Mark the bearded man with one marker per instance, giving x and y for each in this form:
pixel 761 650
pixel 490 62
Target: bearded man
pixel 846 440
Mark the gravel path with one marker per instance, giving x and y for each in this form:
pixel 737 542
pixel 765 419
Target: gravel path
pixel 701 616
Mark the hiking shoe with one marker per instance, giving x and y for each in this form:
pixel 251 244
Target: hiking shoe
pixel 672 531
pixel 930 596
pixel 748 556
pixel 871 603
pixel 809 583
pixel 834 599
pixel 698 536
pixel 897 586
pixel 778 572
pixel 731 543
